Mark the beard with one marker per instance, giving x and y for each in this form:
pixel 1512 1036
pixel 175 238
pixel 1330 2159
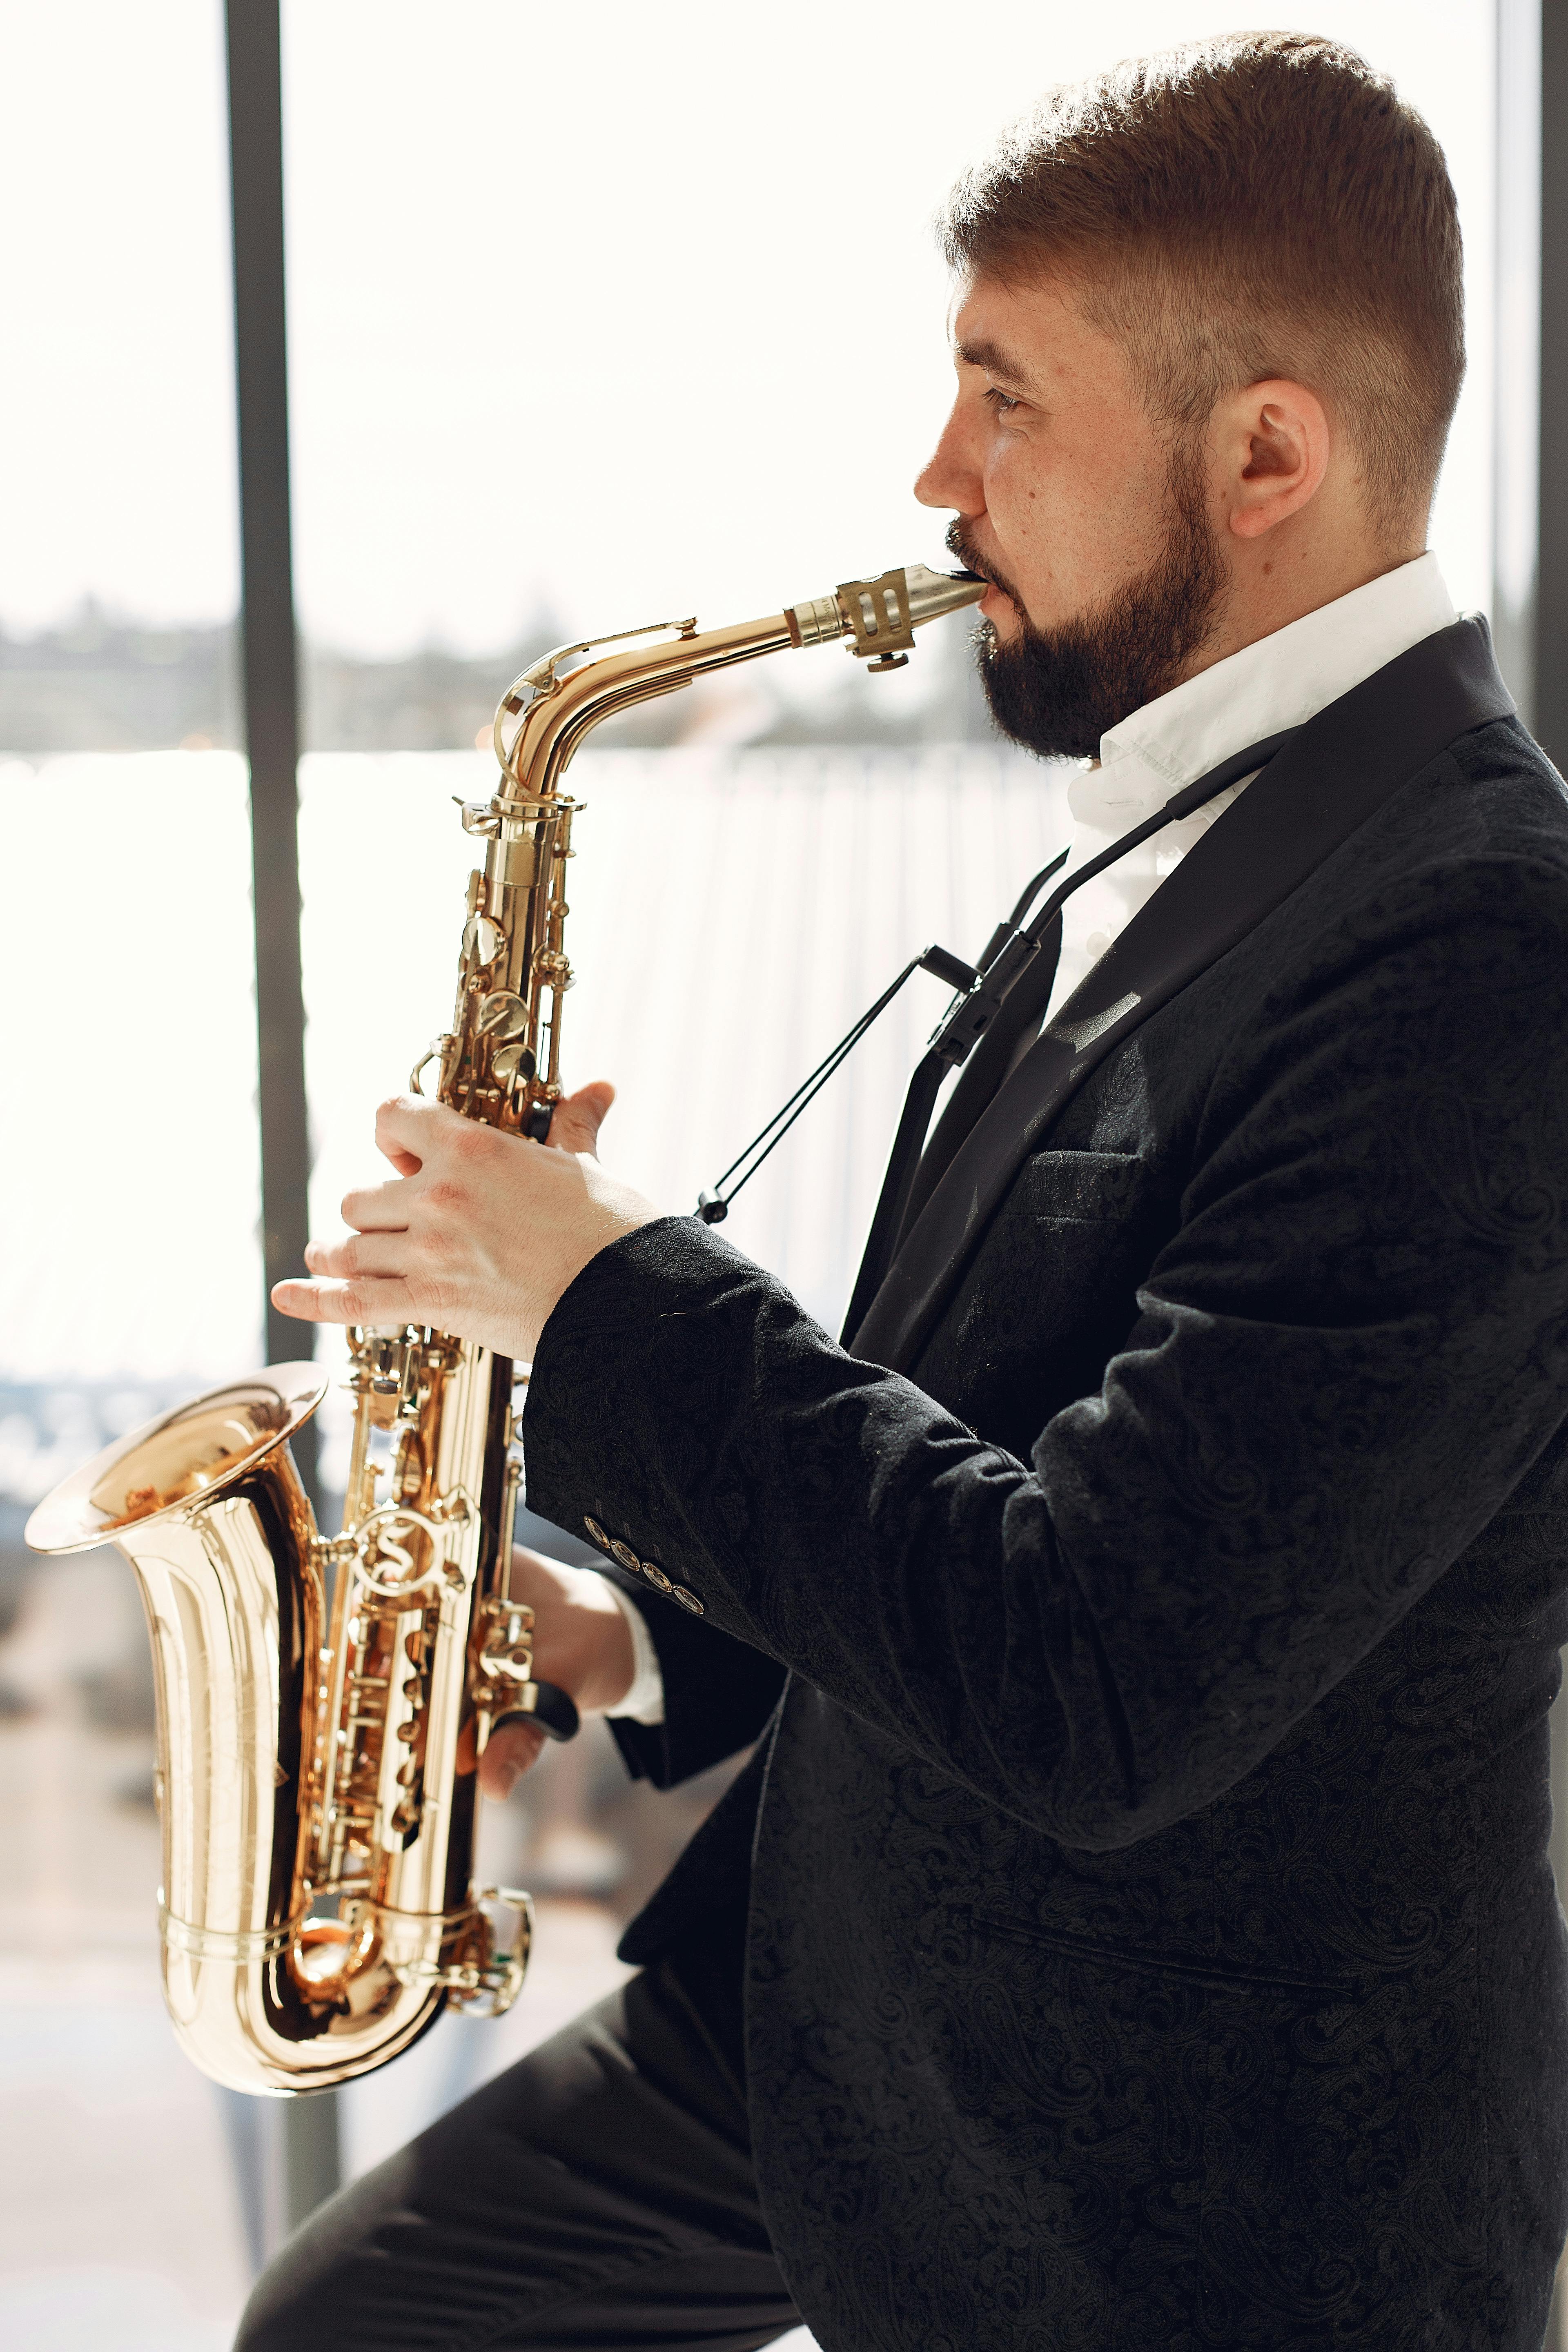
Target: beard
pixel 1057 690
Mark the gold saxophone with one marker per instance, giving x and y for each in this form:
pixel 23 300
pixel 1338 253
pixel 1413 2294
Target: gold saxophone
pixel 316 1781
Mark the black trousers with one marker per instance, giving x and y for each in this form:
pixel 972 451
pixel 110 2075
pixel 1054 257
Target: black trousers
pixel 600 2194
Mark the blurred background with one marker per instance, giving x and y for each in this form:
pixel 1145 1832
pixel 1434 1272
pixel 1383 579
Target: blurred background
pixel 591 322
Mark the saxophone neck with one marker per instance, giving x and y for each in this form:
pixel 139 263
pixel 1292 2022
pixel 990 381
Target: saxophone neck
pixel 501 1060
pixel 555 710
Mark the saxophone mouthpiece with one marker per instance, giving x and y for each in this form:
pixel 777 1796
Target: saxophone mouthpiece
pixel 881 616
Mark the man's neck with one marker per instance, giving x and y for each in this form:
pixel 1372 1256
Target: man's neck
pixel 1274 681
pixel 1267 594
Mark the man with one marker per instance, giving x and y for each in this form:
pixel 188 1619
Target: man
pixel 1133 1928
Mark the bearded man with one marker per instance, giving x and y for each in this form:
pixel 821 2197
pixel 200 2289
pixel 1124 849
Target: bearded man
pixel 1133 1928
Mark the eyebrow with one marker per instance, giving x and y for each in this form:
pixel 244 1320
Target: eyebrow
pixel 995 360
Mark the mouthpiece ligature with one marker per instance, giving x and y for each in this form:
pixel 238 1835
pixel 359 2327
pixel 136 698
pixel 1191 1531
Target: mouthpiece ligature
pixel 881 615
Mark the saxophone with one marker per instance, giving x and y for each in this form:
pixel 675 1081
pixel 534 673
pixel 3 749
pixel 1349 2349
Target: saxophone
pixel 324 1701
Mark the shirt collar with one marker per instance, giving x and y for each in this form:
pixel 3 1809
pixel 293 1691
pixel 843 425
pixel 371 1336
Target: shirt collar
pixel 1279 681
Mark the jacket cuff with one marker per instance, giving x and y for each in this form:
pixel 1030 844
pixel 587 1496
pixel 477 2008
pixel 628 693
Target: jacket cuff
pixel 718 1691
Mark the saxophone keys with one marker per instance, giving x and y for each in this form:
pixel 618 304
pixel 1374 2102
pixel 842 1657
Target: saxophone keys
pixel 552 969
pixel 503 1015
pixel 510 1063
pixel 439 1049
pixel 483 940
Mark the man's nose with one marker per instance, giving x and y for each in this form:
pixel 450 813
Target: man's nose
pixel 951 477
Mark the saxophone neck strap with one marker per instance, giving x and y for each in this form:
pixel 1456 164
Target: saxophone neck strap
pixel 981 991
pixel 1012 952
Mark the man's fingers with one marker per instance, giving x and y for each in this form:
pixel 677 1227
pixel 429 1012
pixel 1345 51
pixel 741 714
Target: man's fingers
pixel 363 1300
pixel 578 1118
pixel 509 1751
pixel 414 1134
pixel 410 1127
pixel 380 1253
pixel 377 1208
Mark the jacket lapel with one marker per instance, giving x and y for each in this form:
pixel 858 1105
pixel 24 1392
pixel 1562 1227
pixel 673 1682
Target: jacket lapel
pixel 983 1072
pixel 1342 766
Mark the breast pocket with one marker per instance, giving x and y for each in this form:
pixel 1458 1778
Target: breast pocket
pixel 1051 1292
pixel 1078 1186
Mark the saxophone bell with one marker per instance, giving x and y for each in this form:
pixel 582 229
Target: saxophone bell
pixel 206 1505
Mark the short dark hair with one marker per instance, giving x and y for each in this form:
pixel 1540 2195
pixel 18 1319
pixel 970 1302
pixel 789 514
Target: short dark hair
pixel 1257 205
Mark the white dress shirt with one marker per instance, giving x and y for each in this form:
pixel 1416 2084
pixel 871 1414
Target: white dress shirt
pixel 644 1703
pixel 1279 682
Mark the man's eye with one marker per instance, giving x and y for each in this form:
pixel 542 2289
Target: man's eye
pixel 1002 402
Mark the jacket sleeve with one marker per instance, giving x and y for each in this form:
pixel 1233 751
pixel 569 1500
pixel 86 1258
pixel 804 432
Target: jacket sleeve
pixel 1346 1356
pixel 717 1692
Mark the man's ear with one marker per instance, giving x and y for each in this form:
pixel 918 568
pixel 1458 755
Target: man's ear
pixel 1273 443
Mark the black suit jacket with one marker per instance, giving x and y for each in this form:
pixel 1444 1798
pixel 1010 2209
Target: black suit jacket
pixel 1150 1936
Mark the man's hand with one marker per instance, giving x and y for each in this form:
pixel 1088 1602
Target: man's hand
pixel 479 1233
pixel 581 1642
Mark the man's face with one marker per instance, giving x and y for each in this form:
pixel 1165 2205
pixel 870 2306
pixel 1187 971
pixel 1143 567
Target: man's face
pixel 1095 531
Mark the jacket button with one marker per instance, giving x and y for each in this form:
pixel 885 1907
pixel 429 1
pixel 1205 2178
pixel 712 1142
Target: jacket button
pixel 655 1576
pixel 626 1556
pixel 689 1601
pixel 596 1534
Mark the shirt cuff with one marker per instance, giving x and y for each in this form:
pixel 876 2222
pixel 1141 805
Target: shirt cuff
pixel 644 1703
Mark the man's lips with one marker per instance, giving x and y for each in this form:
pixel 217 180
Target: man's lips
pixel 996 601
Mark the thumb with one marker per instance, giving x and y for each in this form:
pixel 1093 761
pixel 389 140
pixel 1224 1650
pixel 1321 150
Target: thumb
pixel 579 1116
pixel 511 1750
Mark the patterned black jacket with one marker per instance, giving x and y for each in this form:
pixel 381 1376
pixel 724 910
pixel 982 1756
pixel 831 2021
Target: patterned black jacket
pixel 1150 1938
